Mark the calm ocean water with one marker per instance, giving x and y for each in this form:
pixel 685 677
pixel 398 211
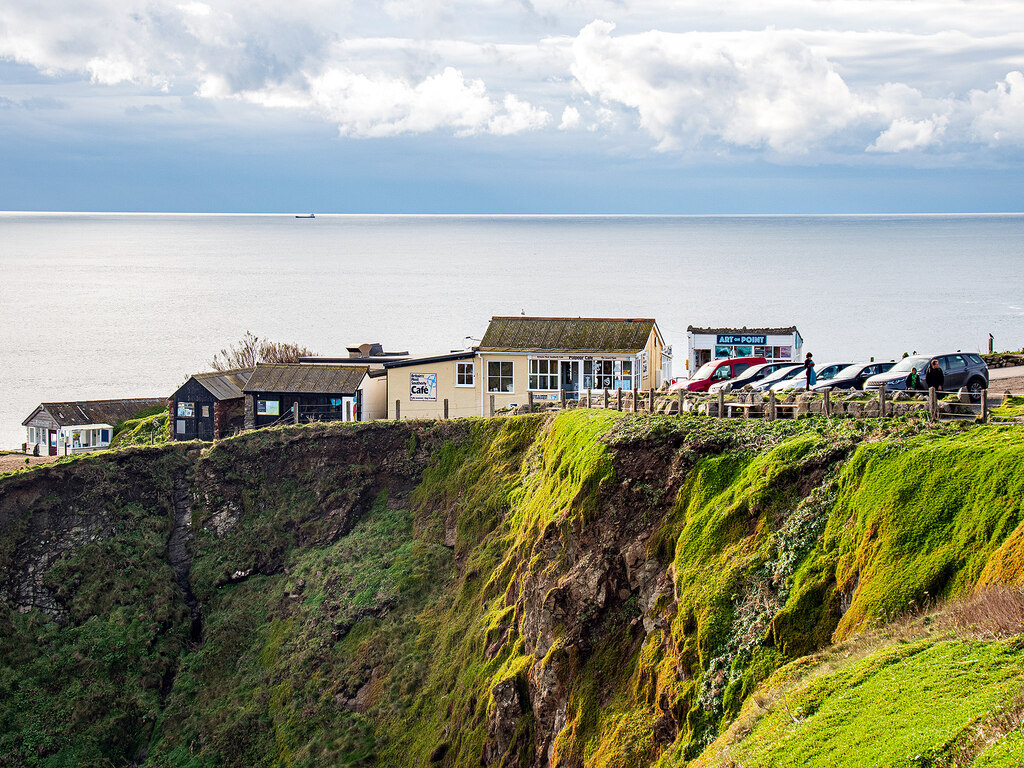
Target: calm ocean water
pixel 128 305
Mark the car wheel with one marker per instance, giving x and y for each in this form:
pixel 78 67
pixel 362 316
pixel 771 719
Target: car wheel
pixel 975 387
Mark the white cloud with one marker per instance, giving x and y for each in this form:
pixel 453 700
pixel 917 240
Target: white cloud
pixel 750 90
pixel 905 134
pixel 518 116
pixel 570 119
pixel 789 78
pixel 999 112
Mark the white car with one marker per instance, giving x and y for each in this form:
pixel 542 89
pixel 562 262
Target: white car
pixel 822 373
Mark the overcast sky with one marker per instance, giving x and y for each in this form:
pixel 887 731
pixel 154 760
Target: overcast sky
pixel 659 106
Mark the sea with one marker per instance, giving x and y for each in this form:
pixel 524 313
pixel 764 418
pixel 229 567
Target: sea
pixel 104 305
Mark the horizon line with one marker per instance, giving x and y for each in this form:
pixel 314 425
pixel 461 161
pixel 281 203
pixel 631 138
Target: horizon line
pixel 510 215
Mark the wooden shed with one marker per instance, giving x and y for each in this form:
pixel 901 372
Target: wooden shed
pixel 210 405
pixel 320 392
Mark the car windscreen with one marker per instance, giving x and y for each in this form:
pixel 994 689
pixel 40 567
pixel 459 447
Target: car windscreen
pixel 752 371
pixel 905 365
pixel 783 373
pixel 706 370
pixel 850 371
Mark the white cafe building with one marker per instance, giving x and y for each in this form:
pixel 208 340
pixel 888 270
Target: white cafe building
pixel 775 344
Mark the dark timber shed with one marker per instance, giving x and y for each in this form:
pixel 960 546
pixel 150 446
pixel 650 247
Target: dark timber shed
pixel 209 406
pixel 322 393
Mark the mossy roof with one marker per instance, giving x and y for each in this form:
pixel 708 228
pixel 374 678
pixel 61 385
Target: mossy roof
pixel 302 378
pixel 569 334
pixel 95 411
pixel 224 385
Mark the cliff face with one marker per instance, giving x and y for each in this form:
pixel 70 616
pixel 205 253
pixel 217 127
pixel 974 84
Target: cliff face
pixel 579 590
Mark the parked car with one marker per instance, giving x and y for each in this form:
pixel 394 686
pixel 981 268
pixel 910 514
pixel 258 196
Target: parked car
pixel 853 376
pixel 823 373
pixel 960 370
pixel 785 372
pixel 715 371
pixel 749 376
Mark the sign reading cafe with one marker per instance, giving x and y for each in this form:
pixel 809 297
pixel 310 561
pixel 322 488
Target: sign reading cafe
pixel 423 386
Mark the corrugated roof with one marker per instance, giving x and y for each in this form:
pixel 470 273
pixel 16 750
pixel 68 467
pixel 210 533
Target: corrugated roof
pixel 225 385
pixel 576 334
pixel 96 411
pixel 744 330
pixel 313 379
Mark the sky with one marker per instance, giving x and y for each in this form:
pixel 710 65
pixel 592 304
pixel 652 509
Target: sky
pixel 512 106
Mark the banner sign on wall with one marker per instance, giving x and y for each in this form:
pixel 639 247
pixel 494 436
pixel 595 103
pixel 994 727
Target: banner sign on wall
pixel 423 386
pixel 736 338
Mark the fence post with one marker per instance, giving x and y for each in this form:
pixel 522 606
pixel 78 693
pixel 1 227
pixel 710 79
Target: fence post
pixel 606 398
pixel 618 399
pixel 398 410
pixel 446 407
pixel 826 405
pixel 590 403
pixel 721 404
pixel 561 399
pixel 984 406
pixel 529 402
pixel 772 411
pixel 651 404
pixel 933 404
pixel 881 401
pixel 680 393
pixel 295 413
pixel 492 406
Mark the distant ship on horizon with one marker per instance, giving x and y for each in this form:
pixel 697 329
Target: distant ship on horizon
pixel 305 216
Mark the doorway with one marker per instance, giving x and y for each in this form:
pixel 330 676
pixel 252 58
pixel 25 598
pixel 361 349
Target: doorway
pixel 570 379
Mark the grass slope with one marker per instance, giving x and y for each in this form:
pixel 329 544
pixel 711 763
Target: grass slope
pixel 369 594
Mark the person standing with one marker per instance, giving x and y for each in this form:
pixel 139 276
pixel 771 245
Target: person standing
pixel 914 380
pixel 934 376
pixel 809 370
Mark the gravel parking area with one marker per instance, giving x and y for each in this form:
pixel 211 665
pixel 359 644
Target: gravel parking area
pixel 12 461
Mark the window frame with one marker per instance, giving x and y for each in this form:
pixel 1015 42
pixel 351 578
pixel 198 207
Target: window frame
pixel 552 374
pixel 501 376
pixel 470 367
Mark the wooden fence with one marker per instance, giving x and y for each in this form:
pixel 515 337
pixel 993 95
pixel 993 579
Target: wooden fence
pixel 934 405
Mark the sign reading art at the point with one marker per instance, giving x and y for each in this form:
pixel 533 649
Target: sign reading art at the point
pixel 736 338
pixel 423 386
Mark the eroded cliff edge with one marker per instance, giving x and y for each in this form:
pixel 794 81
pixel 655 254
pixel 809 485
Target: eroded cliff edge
pixel 586 589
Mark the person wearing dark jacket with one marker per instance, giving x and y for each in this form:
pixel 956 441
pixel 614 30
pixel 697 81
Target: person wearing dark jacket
pixel 914 380
pixel 934 377
pixel 812 379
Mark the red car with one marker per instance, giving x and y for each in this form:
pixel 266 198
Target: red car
pixel 716 371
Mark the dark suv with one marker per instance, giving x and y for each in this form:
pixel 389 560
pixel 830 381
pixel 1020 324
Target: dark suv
pixel 960 370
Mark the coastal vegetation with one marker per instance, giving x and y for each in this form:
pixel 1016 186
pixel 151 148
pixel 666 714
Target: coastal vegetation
pixel 589 588
pixel 251 349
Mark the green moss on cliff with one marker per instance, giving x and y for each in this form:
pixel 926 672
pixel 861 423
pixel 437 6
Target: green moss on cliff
pixel 616 589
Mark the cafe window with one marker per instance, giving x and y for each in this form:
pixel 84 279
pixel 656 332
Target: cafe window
pixel 543 374
pixel 186 410
pixel 464 374
pixel 623 373
pixel 499 376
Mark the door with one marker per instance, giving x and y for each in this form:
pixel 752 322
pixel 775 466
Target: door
pixel 570 379
pixel 53 442
pixel 955 369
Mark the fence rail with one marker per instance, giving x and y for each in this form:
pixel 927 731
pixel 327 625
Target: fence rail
pixel 933 404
